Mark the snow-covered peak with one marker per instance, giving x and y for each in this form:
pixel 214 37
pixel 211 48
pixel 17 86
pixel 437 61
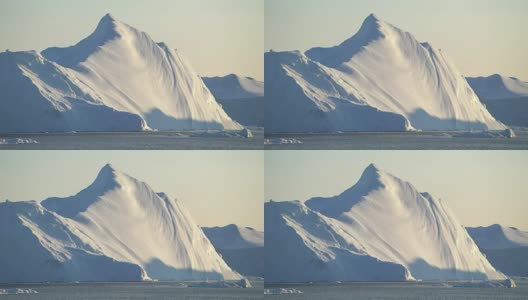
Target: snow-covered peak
pixel 371 169
pixel 372 25
pixel 109 27
pixel 107 175
pixel 373 181
pixel 372 176
pixel 109 17
pixel 234 237
pixel 107 20
pixel 498 237
pixel 108 179
pixel 372 16
pixel 108 168
pixel 372 29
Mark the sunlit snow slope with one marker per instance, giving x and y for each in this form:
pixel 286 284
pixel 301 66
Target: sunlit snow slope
pixel 116 68
pixel 381 229
pixel 381 79
pixel 117 229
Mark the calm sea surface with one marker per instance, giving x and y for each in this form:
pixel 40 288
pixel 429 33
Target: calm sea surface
pixel 396 291
pixel 160 140
pixel 132 291
pixel 398 140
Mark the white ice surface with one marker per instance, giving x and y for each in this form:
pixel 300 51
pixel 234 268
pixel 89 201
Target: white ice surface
pixel 381 79
pixel 381 229
pixel 132 223
pixel 117 229
pixel 116 79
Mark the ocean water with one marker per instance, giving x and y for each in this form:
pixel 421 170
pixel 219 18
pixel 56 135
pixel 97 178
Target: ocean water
pixel 161 140
pixel 396 291
pixel 132 291
pixel 398 141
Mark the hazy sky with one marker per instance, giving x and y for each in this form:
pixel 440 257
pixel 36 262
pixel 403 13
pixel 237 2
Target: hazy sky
pixel 217 187
pixel 483 37
pixel 218 36
pixel 481 187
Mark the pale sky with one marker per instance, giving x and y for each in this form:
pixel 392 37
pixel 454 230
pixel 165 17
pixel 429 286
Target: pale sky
pixel 217 187
pixel 218 36
pixel 482 37
pixel 480 187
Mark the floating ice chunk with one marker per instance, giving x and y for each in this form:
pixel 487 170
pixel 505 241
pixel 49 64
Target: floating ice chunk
pixel 507 283
pixel 16 291
pixel 509 133
pixel 245 133
pixel 242 283
pixel 280 291
pixel 476 284
pixel 16 141
pixel 279 141
pixel 506 133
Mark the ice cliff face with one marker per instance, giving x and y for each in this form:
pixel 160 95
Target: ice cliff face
pixel 381 229
pixel 118 227
pixel 498 237
pixel 381 79
pixel 117 78
pixel 39 95
pixel 497 86
pixel 234 237
pixel 38 246
pixel 233 86
pixel 242 248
